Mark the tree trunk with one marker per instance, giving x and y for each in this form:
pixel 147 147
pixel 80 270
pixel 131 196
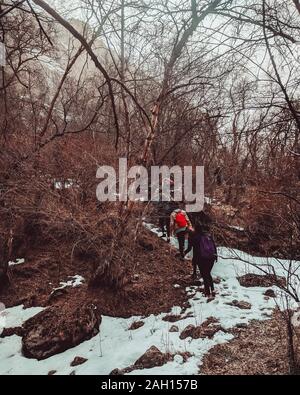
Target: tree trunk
pixel 4 259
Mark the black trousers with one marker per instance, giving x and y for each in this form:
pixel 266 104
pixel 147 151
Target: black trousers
pixel 181 241
pixel 195 264
pixel 164 224
pixel 205 267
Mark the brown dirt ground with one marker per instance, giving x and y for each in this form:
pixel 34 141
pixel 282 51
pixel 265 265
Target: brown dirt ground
pixel 259 349
pixel 149 290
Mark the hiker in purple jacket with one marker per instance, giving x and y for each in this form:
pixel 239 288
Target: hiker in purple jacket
pixel 204 256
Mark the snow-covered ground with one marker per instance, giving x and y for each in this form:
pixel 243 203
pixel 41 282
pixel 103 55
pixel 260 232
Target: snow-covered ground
pixel 118 347
pixel 241 263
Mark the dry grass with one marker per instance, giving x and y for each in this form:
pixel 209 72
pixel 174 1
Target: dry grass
pixel 259 349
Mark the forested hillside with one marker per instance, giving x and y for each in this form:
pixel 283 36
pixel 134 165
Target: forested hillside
pixel 98 287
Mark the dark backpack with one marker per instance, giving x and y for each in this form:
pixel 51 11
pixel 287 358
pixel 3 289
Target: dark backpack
pixel 207 247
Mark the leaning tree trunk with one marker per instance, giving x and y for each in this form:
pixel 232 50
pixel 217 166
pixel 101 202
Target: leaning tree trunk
pixel 290 345
pixel 4 259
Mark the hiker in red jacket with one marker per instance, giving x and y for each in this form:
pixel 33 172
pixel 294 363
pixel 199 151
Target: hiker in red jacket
pixel 179 225
pixel 204 256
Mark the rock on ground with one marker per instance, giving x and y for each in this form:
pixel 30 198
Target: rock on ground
pixel 78 361
pixel 136 325
pixel 256 280
pixel 152 357
pixel 12 331
pixel 270 293
pixel 59 328
pixel 241 304
pixel 206 330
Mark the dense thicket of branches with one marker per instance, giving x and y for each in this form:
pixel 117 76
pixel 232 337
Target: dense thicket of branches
pixel 202 82
pixel 213 83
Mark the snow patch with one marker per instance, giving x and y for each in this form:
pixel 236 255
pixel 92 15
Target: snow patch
pixel 19 261
pixel 237 228
pixel 74 281
pixel 208 200
pixel 16 316
pixel 67 184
